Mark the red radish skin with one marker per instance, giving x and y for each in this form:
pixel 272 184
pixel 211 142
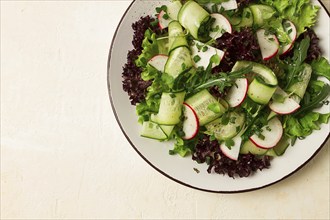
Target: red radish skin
pixel 223 23
pixel 272 137
pixel 163 23
pixel 191 122
pixel 285 113
pixel 237 95
pixel 293 36
pixel 232 153
pixel 269 48
pixel 287 107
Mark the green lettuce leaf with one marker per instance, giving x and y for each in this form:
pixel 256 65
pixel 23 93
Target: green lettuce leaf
pixel 149 73
pixel 303 126
pixel 306 19
pixel 276 26
pixel 321 67
pixel 301 12
pixel 150 49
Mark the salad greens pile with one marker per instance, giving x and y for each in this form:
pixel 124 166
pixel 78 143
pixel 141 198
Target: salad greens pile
pixel 261 106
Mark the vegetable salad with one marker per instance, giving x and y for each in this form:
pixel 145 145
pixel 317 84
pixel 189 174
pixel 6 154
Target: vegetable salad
pixel 233 83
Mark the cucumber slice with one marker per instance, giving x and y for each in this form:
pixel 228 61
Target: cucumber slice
pixel 191 16
pixel 271 153
pixel 224 103
pixel 250 147
pixel 263 71
pixel 226 131
pixel 247 18
pixel 299 88
pixel 152 130
pixel 167 129
pixel 262 87
pixel 170 109
pixel 234 20
pixel 176 36
pixel 259 92
pixel 173 9
pixel 201 103
pixel 281 147
pixel 261 13
pixel 179 61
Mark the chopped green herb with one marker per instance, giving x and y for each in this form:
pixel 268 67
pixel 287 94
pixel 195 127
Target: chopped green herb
pixel 205 48
pixel 208 160
pixel 196 170
pixel 262 137
pixel 161 8
pixel 215 59
pixel 225 119
pixel 248 14
pixel 154 23
pixel 166 17
pixel 172 95
pixel 183 66
pixel 216 29
pixel 232 120
pixel 212 137
pixel 214 8
pixel 214 107
pixel 229 143
pixel 199 47
pixel 196 58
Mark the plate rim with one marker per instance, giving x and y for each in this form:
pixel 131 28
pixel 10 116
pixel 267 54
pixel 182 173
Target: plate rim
pixel 158 169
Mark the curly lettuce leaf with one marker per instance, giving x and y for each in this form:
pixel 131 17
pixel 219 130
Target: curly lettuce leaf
pixel 301 12
pixel 307 18
pixel 321 67
pixel 183 147
pixel 150 49
pixel 149 73
pixel 303 126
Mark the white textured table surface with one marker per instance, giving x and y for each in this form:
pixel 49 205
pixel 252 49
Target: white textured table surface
pixel 63 155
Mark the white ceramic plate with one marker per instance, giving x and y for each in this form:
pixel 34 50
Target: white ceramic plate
pixel 181 169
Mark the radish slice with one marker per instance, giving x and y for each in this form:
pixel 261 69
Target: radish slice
pixel 159 62
pixel 288 105
pixel 237 92
pixel 220 26
pixel 228 5
pixel 292 32
pixel 268 43
pixel 190 123
pixel 271 134
pixel 204 55
pixel 233 152
pixel 162 22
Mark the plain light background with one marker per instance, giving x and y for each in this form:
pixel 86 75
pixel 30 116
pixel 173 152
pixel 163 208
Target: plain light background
pixel 63 155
